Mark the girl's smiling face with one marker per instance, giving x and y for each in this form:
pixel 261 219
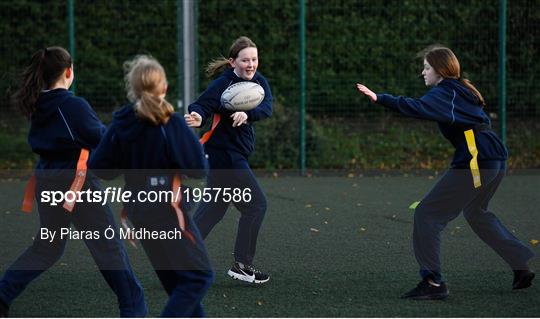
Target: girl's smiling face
pixel 246 63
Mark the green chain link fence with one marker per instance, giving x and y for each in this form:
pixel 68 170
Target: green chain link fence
pixel 374 42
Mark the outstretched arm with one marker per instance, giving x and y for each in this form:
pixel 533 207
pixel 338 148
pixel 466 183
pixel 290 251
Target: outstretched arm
pixel 432 106
pixel 367 92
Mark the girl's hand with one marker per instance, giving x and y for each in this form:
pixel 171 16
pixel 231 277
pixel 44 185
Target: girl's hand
pixel 363 89
pixel 193 119
pixel 239 118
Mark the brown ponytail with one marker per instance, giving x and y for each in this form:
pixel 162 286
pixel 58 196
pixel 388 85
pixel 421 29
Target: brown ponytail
pixel 446 64
pixel 45 68
pixel 474 90
pixel 217 66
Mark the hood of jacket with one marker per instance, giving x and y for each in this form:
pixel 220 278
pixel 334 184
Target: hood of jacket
pixel 127 124
pixel 48 103
pixel 461 90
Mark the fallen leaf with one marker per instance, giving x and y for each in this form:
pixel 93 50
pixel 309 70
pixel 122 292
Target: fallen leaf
pixel 533 242
pixel 259 302
pixel 308 206
pixel 414 205
pixel 314 230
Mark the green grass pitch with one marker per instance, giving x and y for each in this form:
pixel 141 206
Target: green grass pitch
pixel 334 247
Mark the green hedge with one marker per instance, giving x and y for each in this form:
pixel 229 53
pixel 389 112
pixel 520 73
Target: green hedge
pixel 390 144
pixel 347 41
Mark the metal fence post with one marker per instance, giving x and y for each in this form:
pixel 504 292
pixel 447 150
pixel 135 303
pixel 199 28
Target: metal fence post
pixel 180 52
pixel 302 21
pixel 71 28
pixel 189 49
pixel 502 69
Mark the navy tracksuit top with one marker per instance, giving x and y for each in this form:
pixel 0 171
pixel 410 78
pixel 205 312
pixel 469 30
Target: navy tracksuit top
pixel 240 139
pixel 61 125
pixel 455 109
pixel 131 143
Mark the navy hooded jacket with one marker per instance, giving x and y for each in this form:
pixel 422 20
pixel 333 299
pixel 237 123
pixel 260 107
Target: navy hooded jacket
pixel 240 139
pixel 132 145
pixel 455 109
pixel 61 125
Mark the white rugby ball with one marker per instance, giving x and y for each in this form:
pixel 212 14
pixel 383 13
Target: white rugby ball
pixel 242 96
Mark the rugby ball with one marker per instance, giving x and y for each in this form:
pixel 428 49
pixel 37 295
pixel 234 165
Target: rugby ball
pixel 242 96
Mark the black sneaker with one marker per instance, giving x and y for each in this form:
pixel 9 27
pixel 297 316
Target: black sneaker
pixel 522 279
pixel 426 291
pixel 247 273
pixel 4 309
pixel 260 277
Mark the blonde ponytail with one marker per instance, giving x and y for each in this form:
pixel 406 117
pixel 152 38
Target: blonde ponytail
pixel 145 83
pixel 153 108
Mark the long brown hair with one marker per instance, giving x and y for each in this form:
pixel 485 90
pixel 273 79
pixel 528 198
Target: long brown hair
pixel 220 64
pixel 45 68
pixel 145 81
pixel 446 64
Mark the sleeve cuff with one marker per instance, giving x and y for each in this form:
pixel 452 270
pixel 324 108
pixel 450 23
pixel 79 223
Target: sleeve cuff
pixel 380 98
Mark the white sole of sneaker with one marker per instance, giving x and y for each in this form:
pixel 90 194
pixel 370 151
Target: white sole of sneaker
pixel 261 281
pixel 237 276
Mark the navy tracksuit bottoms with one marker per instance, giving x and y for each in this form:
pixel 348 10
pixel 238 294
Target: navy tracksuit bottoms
pixel 109 254
pixel 230 169
pixel 182 265
pixel 455 193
